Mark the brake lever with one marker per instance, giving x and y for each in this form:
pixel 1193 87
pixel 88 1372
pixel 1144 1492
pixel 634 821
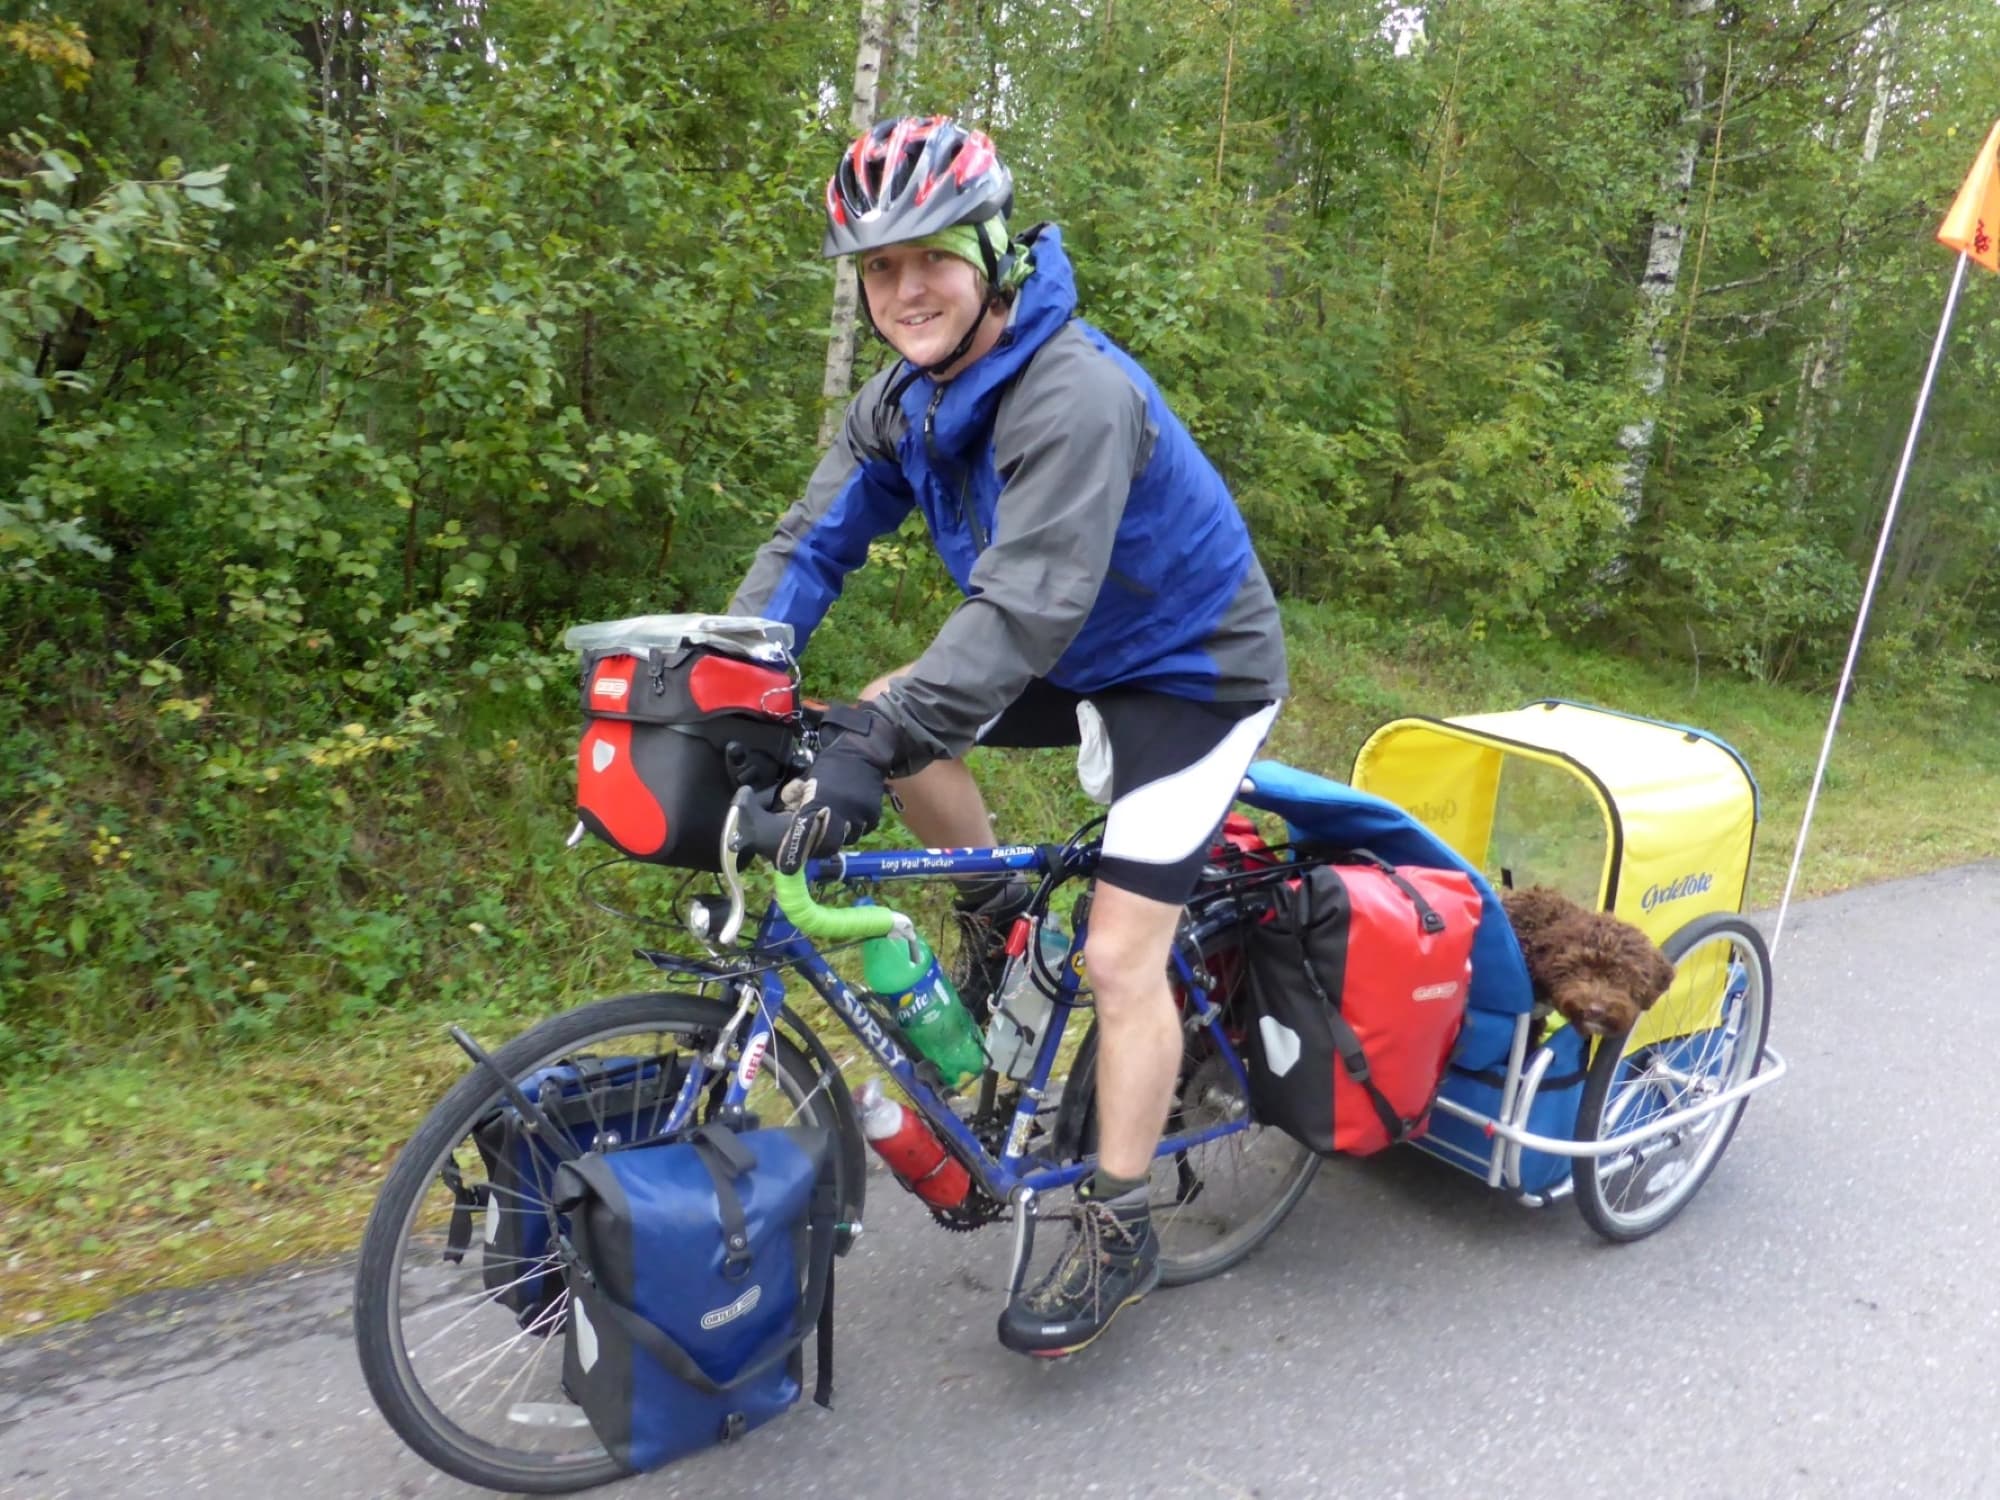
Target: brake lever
pixel 731 880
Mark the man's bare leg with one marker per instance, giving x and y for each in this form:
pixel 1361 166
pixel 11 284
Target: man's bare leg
pixel 1138 1029
pixel 941 803
pixel 1113 1256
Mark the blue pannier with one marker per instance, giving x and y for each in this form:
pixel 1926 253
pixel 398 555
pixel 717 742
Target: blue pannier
pixel 597 1105
pixel 696 1270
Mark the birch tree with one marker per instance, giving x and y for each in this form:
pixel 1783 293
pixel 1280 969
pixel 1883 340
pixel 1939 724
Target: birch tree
pixel 1818 402
pixel 898 93
pixel 862 104
pixel 1661 281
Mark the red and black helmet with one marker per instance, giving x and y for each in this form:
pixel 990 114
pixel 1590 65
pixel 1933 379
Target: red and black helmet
pixel 904 179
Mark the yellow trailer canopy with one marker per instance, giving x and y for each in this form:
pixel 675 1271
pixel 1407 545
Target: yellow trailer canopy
pixel 1648 820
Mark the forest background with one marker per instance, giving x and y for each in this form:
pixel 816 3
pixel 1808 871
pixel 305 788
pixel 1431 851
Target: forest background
pixel 1551 347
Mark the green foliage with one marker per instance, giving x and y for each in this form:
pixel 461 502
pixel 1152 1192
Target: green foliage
pixel 346 358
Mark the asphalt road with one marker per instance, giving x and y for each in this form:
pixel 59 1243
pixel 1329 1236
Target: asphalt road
pixel 1821 1322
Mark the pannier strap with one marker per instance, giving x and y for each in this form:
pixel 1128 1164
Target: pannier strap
pixel 815 1309
pixel 1427 916
pixel 1352 1057
pixel 726 1157
pixel 465 1202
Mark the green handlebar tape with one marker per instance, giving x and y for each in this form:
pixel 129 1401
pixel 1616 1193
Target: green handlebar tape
pixel 835 924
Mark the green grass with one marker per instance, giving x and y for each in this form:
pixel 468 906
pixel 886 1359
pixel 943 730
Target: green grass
pixel 159 1155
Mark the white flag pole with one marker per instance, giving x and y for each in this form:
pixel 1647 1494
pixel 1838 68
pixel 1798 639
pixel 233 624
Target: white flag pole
pixel 1868 596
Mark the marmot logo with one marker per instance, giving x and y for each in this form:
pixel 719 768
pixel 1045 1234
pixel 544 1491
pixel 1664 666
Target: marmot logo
pixel 735 1310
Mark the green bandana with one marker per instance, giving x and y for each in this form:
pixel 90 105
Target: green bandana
pixel 963 241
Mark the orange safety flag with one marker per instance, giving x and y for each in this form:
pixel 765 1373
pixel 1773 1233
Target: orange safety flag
pixel 1973 225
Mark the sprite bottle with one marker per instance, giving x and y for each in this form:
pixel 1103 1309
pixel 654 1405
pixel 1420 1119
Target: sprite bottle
pixel 927 1007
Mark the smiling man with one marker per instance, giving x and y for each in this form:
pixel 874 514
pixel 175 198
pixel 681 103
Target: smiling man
pixel 1111 594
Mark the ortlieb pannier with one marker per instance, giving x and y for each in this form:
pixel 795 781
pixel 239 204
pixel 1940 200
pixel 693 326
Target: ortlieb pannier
pixel 597 1105
pixel 697 1270
pixel 1358 985
pixel 679 710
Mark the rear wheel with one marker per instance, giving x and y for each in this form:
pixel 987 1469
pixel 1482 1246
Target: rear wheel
pixel 1704 1036
pixel 1215 1202
pixel 457 1374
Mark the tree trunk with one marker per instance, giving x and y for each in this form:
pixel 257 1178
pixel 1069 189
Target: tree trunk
pixel 1819 404
pixel 1663 270
pixel 897 93
pixel 846 293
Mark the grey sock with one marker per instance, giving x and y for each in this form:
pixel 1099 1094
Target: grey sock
pixel 1122 1193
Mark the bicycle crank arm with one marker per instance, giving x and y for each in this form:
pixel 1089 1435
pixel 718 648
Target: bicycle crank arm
pixel 1024 1240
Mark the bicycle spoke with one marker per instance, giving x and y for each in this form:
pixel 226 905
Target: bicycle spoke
pixel 487 1359
pixel 480 1298
pixel 483 1388
pixel 528 1367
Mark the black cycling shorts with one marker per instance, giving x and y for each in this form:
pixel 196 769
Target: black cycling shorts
pixel 1176 765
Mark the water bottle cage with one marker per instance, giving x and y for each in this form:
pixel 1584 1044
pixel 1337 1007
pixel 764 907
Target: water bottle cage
pixel 925 1069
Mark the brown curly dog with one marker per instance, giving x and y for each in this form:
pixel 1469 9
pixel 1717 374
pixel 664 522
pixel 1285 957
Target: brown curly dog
pixel 1599 972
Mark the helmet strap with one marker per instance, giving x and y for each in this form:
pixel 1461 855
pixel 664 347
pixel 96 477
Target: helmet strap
pixel 937 367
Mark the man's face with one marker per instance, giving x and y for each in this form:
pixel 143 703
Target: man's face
pixel 923 300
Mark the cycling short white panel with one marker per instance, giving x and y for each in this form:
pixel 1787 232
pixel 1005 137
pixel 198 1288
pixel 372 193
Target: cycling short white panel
pixel 1168 820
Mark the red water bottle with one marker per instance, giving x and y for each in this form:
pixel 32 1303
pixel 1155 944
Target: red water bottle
pixel 913 1153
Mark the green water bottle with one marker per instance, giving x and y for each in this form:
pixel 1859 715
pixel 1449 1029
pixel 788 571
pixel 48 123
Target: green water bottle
pixel 927 1007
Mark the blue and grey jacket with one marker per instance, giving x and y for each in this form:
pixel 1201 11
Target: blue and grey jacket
pixel 1095 544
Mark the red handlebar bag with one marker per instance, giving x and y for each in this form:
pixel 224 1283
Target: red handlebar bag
pixel 653 773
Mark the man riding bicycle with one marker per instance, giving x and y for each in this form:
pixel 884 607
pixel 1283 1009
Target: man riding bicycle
pixel 1112 599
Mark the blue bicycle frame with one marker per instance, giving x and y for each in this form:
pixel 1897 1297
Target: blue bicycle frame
pixel 781 943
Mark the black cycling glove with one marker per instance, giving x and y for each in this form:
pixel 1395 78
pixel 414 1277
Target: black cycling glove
pixel 858 746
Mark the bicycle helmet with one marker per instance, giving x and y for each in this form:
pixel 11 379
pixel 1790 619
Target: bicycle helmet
pixel 903 179
pixel 917 178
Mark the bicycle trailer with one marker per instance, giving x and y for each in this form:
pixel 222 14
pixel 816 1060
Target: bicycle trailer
pixel 1650 821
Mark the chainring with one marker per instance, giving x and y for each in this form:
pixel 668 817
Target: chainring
pixel 979 1208
pixel 976 1212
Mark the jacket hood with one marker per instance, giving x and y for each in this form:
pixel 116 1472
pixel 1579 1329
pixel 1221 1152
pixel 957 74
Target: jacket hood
pixel 1046 301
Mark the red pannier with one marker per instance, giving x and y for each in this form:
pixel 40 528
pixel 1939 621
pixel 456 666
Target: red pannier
pixel 663 724
pixel 1358 984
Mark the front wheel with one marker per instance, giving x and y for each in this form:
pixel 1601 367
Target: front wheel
pixel 1704 1036
pixel 467 1378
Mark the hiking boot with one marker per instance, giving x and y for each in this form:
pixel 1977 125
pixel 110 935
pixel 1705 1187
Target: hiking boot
pixel 985 916
pixel 1111 1261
